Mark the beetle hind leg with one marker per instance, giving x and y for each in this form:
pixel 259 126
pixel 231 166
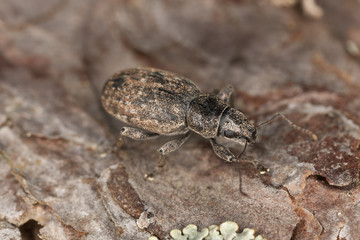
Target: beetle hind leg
pixel 137 134
pixel 173 144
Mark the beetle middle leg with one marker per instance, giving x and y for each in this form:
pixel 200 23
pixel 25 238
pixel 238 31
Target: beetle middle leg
pixel 174 144
pixel 137 134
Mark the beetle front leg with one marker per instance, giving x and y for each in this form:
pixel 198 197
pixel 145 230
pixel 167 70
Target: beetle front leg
pixel 173 144
pixel 226 93
pixel 137 134
pixel 222 151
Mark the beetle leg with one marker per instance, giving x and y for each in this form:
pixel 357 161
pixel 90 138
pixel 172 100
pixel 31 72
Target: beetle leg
pixel 173 144
pixel 222 151
pixel 137 134
pixel 226 93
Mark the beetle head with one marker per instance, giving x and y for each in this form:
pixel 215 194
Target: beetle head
pixel 235 127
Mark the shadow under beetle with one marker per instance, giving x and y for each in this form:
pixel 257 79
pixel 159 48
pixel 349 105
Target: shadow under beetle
pixel 158 102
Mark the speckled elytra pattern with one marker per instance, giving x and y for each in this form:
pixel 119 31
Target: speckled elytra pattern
pixel 150 99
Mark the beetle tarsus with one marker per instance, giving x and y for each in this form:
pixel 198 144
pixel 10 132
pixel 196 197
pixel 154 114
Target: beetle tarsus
pixel 161 162
pixel 119 143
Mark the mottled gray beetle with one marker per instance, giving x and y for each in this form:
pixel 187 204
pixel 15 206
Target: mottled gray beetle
pixel 158 102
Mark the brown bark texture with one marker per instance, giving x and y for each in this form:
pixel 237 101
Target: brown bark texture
pixel 63 175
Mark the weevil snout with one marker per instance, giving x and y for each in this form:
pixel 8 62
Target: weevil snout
pixel 235 127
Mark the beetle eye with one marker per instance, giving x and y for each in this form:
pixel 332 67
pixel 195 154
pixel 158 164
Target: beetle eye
pixel 229 134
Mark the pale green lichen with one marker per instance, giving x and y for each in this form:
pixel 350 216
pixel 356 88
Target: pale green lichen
pixel 191 232
pixel 247 233
pixel 177 235
pixel 153 238
pixel 226 231
pixel 214 233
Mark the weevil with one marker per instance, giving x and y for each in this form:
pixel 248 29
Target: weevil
pixel 156 102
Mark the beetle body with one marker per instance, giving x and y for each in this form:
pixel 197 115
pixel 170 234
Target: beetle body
pixel 158 102
pixel 150 99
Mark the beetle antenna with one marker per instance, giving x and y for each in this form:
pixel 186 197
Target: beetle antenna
pixel 242 151
pixel 293 125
